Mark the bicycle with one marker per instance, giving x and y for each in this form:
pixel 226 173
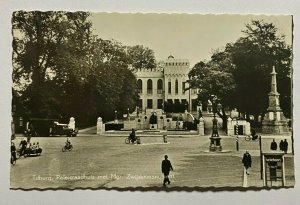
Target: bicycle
pixel 128 140
pixel 251 138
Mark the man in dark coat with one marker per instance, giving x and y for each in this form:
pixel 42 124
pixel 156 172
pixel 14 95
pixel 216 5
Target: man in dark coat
pixel 285 146
pixel 13 152
pixel 281 145
pixel 166 166
pixel 273 145
pixel 132 136
pixel 23 145
pixel 247 161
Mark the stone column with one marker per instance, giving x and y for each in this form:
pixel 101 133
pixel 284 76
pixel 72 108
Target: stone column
pixel 72 123
pixel 99 126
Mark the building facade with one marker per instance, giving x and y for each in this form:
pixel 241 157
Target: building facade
pixel 166 84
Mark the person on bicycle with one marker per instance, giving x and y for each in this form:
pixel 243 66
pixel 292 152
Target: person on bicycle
pixel 13 151
pixel 253 134
pixel 68 142
pixel 23 145
pixel 132 136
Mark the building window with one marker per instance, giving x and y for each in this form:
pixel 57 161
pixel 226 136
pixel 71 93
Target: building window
pixel 140 86
pixel 149 86
pixel 194 104
pixel 185 103
pixel 169 86
pixel 183 87
pixel 176 87
pixel 149 103
pixel 140 104
pixel 160 103
pixel 159 86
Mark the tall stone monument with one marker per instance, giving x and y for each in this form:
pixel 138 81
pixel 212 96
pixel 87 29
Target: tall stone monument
pixel 274 121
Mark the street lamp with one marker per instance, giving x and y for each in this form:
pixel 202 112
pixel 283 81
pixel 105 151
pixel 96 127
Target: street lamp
pixel 214 104
pixel 189 109
pixel 128 115
pixel 116 116
pixel 215 140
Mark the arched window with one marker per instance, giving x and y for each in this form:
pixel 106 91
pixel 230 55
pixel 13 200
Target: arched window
pixel 159 86
pixel 176 86
pixel 149 86
pixel 169 86
pixel 140 85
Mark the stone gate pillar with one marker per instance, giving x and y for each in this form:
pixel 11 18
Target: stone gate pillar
pixel 201 126
pixel 99 126
pixel 72 123
pixel 230 128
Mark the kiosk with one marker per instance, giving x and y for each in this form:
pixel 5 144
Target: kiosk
pixel 273 169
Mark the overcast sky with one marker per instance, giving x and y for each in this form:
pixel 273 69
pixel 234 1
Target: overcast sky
pixel 190 36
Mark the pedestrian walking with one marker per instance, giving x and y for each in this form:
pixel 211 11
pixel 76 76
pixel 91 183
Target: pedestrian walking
pixel 285 146
pixel 13 150
pixel 273 145
pixel 281 145
pixel 166 166
pixel 247 161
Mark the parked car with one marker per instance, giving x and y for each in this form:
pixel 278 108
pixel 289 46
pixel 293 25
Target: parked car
pixel 63 129
pixel 48 127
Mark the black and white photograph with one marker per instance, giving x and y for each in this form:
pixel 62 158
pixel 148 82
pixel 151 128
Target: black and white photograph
pixel 151 101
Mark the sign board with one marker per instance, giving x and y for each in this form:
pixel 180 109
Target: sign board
pixel 273 169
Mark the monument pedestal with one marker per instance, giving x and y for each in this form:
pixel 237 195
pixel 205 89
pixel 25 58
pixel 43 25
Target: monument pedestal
pixel 215 144
pixel 215 140
pixel 274 127
pixel 274 121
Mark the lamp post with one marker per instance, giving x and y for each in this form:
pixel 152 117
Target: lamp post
pixel 116 116
pixel 261 158
pixel 128 115
pixel 188 108
pixel 215 140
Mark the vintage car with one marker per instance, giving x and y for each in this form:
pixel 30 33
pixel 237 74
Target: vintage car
pixel 48 127
pixel 63 129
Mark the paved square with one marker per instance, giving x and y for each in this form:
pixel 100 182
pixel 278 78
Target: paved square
pixel 107 162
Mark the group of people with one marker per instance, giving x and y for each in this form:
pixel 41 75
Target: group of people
pixel 283 145
pixel 247 161
pixel 35 147
pixel 23 146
